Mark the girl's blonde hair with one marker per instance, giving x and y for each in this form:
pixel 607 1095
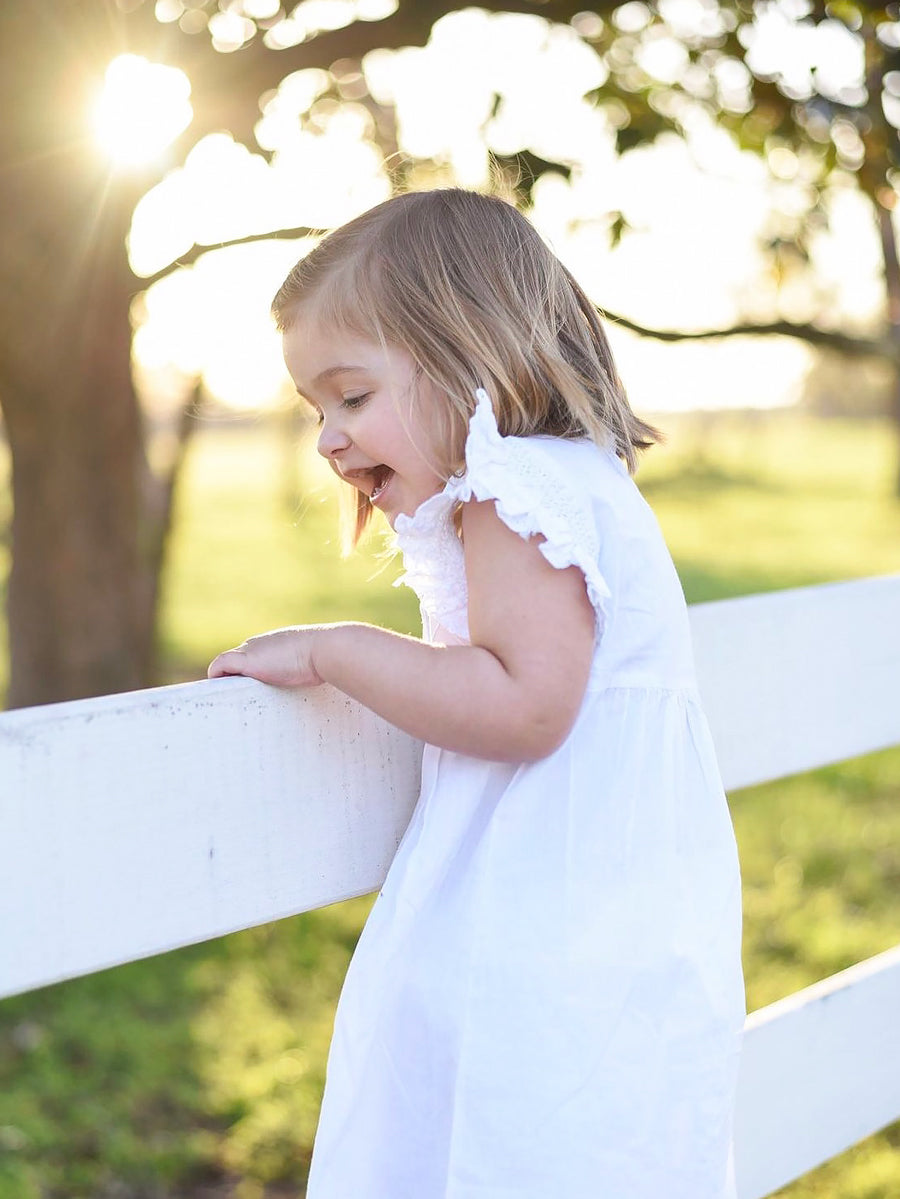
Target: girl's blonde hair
pixel 464 283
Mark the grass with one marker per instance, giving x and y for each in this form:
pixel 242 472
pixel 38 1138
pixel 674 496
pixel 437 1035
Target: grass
pixel 198 1073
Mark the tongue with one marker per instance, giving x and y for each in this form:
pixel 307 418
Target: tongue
pixel 381 475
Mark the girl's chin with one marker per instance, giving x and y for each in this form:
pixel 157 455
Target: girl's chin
pixel 392 502
pixel 391 513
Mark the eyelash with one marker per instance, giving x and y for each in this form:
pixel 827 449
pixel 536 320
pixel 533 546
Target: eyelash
pixel 350 402
pixel 353 402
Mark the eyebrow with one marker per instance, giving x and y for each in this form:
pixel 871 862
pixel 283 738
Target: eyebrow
pixel 336 370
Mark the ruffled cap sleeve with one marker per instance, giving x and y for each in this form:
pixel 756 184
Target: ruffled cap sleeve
pixel 533 496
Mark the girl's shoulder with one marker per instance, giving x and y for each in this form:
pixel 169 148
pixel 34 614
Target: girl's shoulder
pixel 547 463
pixel 580 457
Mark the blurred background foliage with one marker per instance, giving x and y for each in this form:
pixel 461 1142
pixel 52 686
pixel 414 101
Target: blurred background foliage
pixel 707 168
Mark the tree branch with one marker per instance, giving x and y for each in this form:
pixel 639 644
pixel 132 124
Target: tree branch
pixel 197 251
pixel 832 339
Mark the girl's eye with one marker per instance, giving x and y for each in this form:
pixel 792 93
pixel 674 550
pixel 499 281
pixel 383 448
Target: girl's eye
pixel 356 401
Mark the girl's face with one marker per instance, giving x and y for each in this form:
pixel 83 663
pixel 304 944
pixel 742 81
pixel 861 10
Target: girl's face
pixel 376 413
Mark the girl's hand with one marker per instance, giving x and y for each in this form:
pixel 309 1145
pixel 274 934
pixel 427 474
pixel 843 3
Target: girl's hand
pixel 283 657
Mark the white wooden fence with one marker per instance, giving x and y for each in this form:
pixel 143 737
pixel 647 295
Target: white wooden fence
pixel 136 823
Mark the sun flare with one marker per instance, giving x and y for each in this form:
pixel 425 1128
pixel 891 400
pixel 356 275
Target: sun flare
pixel 141 109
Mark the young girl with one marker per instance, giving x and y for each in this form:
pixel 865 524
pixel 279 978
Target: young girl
pixel 546 1001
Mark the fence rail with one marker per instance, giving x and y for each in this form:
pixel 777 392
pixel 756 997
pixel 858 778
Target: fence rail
pixel 136 823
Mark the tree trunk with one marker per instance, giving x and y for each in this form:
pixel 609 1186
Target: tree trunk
pixel 80 606
pixel 892 285
pixel 77 605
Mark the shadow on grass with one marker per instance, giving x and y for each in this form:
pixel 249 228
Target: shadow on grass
pixel 98 1084
pixel 186 1074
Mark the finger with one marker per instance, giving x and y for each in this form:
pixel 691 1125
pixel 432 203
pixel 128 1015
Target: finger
pixel 230 662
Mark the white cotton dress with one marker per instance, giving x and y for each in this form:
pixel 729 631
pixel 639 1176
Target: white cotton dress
pixel 546 1001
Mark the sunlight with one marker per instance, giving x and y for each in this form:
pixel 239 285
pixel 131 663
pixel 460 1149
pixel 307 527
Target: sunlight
pixel 142 108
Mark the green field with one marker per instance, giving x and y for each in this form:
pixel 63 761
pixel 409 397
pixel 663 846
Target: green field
pixel 198 1073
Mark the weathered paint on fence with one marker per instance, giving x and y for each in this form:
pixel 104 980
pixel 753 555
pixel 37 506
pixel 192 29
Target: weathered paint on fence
pixel 136 823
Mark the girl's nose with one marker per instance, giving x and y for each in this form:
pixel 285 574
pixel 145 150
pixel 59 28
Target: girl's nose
pixel 332 440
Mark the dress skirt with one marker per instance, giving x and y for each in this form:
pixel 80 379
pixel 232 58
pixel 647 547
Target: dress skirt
pixel 547 1001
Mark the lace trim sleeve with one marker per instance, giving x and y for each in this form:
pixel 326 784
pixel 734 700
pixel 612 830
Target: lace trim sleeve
pixel 532 496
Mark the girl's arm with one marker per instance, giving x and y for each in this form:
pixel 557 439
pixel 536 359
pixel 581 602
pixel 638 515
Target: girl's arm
pixel 512 695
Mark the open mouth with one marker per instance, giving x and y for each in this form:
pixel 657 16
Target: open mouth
pixel 382 476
